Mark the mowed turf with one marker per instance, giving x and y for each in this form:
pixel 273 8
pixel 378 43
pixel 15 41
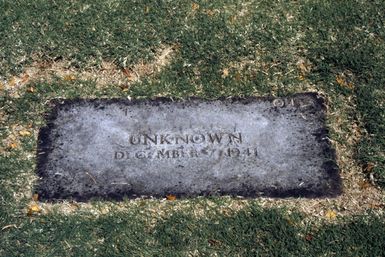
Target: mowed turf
pixel 219 48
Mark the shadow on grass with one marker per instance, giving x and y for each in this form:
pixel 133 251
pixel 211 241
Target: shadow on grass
pixel 252 231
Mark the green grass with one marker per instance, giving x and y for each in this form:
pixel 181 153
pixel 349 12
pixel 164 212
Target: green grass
pixel 260 44
pixel 350 38
pixel 251 232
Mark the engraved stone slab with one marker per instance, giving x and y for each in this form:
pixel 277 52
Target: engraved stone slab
pixel 248 147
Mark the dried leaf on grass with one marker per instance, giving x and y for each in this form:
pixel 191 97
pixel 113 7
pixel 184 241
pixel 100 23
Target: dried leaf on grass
pixel 129 73
pixel 225 73
pixel 210 12
pixel 330 214
pixel 30 90
pixel 69 77
pixel 34 208
pixel 124 87
pixel 171 197
pixel 304 66
pixel 12 145
pixel 24 78
pixel 24 133
pixel 341 80
pixel 195 6
pixel 369 167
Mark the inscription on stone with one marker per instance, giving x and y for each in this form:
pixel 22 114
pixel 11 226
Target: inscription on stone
pixel 248 147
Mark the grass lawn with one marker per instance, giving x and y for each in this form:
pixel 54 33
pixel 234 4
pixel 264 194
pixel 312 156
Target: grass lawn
pixel 209 49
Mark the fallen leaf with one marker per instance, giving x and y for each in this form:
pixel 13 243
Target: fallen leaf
pixel 331 214
pixel 33 208
pixel 128 73
pixel 13 145
pixel 341 80
pixel 124 87
pixel 303 66
pixel 195 6
pixel 30 89
pixel 210 12
pixel 369 167
pixel 24 133
pixel 25 78
pixel 171 197
pixel 225 73
pixel 69 77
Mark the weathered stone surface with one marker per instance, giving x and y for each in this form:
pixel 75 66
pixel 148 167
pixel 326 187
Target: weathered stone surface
pixel 249 147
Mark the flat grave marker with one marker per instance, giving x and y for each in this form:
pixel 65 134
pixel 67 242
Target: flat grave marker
pixel 109 148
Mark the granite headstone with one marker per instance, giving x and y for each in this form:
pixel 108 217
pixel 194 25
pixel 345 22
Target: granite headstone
pixel 110 148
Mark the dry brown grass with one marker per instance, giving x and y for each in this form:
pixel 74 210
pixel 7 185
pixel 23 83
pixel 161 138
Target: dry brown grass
pixel 107 74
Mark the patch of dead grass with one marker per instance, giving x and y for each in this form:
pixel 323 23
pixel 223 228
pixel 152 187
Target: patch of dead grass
pixel 108 73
